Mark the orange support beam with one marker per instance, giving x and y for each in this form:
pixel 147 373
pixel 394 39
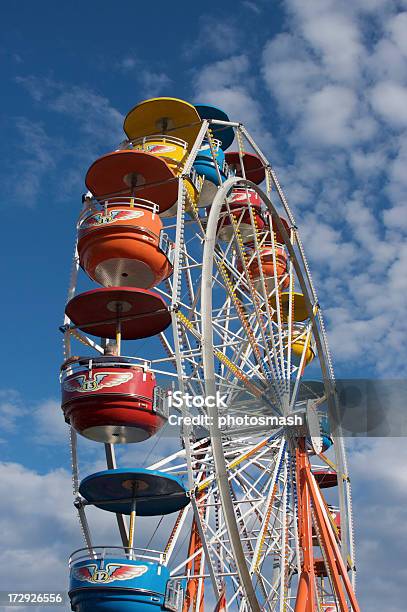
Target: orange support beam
pixel 194 565
pixel 307 490
pixel 221 604
pixel 305 601
pixel 336 564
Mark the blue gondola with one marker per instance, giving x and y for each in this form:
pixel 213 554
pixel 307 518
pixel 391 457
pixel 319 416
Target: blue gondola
pixel 327 440
pixel 313 389
pixel 107 580
pixel 225 134
pixel 213 173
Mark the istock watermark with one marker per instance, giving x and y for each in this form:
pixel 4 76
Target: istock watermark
pixel 176 399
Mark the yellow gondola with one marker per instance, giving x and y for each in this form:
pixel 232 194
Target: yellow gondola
pixel 300 312
pixel 163 116
pixel 298 345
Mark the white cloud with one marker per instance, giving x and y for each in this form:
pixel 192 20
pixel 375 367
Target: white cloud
pixel 336 38
pixel 396 217
pixel 380 502
pixel 372 461
pixel 40 528
pixel 367 163
pixel 38 155
pixel 11 409
pixel 365 229
pixel 92 113
pixel 222 74
pixel 45 418
pixel 216 37
pixel 228 84
pixel 327 245
pixel 40 150
pixel 127 63
pixel 389 100
pixel 289 72
pixel 37 502
pixel 50 426
pixel 341 101
pixel 327 116
pixel 376 7
pixel 151 82
pixel 397 27
pixel 252 6
pixel 386 61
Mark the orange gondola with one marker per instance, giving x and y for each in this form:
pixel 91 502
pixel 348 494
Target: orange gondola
pixel 120 242
pixel 267 267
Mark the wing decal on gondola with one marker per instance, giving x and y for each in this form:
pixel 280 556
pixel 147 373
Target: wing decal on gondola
pixel 82 384
pixel 100 219
pixel 126 572
pixel 84 573
pixel 103 575
pixel 157 149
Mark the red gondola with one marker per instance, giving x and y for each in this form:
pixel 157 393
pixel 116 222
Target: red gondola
pixel 326 478
pixel 134 313
pixel 133 173
pixel 321 572
pixel 336 520
pixel 278 237
pixel 239 201
pixel 253 166
pixel 111 399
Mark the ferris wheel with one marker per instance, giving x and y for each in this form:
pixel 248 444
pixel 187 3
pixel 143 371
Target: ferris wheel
pixel 205 297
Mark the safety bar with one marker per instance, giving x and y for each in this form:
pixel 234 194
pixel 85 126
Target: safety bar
pixel 111 361
pixel 161 402
pixel 104 552
pixel 98 206
pixel 174 596
pixel 167 247
pixel 147 139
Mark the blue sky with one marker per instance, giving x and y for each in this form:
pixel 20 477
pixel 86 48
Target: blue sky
pixel 322 85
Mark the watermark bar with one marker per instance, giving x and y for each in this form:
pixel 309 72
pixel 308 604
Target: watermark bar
pixel 361 408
